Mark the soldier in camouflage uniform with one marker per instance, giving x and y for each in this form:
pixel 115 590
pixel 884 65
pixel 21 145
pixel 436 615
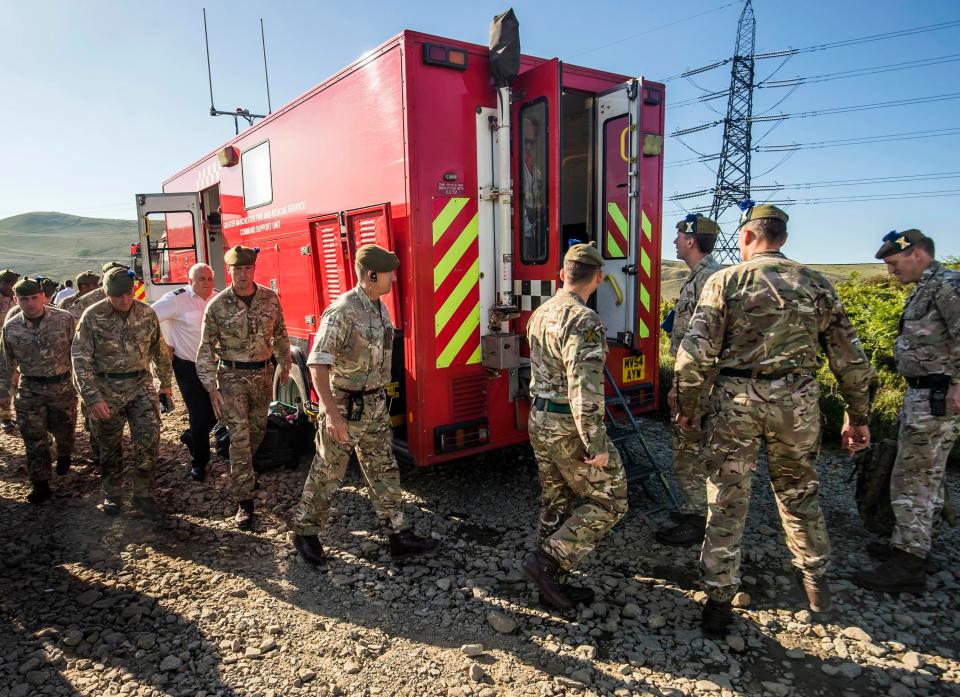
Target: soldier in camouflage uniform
pixel 77 308
pixel 575 457
pixel 758 328
pixel 242 328
pixel 350 364
pixel 86 282
pixel 37 342
pixel 48 287
pixel 927 351
pixel 7 278
pixel 696 236
pixel 116 341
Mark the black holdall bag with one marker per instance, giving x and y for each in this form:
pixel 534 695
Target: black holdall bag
pixel 289 435
pixel 872 468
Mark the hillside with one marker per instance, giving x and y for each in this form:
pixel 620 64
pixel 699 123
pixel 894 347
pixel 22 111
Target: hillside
pixel 60 246
pixel 675 273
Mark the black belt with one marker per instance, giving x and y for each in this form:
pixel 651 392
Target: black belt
pixel 544 404
pixel 747 373
pixel 243 365
pixel 47 379
pixel 122 376
pixel 930 382
pixel 359 393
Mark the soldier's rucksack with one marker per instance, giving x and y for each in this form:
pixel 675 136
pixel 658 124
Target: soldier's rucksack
pixel 873 468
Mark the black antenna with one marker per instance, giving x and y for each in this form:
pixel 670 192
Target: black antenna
pixel 263 43
pixel 239 112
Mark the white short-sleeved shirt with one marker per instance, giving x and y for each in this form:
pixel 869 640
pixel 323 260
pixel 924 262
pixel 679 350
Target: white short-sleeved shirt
pixel 64 294
pixel 181 315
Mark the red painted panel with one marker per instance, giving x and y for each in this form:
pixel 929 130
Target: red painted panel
pixel 372 226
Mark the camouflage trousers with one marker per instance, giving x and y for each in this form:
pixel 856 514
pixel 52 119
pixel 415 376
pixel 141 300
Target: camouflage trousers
pixel 131 401
pixel 569 532
pixel 916 483
pixel 372 440
pixel 246 403
pixel 689 468
pixel 90 426
pixel 785 414
pixel 42 410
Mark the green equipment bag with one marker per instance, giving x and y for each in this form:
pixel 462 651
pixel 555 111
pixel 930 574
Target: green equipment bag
pixel 873 468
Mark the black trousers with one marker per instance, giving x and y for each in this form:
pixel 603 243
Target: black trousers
pixel 199 409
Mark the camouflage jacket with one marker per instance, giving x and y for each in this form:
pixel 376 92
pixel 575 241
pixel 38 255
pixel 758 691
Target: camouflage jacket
pixel 929 339
pixel 771 315
pixel 355 339
pixel 6 304
pixel 568 350
pixel 108 342
pixel 76 305
pixel 235 332
pixel 40 350
pixel 687 300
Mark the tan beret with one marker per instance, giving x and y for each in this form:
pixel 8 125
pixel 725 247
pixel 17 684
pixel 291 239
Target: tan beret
pixel 698 224
pixel 8 276
pixel 27 286
pixel 87 278
pixel 376 258
pixel 585 254
pixel 113 265
pixel 241 256
pixel 895 242
pixel 751 211
pixel 118 282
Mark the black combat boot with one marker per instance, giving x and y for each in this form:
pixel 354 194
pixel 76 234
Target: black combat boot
pixel 716 619
pixel 244 516
pixel 406 544
pixel 63 464
pixel 881 552
pixel 111 505
pixel 579 595
pixel 198 473
pixel 688 531
pixel 147 507
pixel 902 572
pixel 39 493
pixel 817 591
pixel 310 549
pixel 542 570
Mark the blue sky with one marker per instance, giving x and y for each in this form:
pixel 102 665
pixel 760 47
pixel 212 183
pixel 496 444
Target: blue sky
pixel 106 99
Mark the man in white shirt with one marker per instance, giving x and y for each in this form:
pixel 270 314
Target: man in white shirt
pixel 65 293
pixel 181 315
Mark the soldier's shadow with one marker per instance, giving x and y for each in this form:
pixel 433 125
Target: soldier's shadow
pixel 52 599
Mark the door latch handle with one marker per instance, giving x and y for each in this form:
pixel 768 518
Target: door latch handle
pixel 630 269
pixel 616 289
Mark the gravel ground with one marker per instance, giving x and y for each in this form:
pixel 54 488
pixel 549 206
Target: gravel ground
pixel 190 606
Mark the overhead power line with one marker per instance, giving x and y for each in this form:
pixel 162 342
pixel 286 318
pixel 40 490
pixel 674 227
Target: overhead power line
pixel 824 200
pixel 862 181
pixel 827 46
pixel 836 143
pixel 833 110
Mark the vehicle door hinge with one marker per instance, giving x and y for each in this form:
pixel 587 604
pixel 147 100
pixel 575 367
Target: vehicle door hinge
pixel 630 269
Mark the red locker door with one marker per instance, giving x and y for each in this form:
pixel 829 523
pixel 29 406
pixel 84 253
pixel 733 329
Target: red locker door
pixel 332 261
pixel 372 226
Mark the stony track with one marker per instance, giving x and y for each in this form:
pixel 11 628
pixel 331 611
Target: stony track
pixel 190 606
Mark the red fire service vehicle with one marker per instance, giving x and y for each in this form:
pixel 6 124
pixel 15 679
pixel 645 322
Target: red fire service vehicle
pixel 479 188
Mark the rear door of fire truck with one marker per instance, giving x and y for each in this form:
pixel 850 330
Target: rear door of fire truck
pixel 171 240
pixel 628 191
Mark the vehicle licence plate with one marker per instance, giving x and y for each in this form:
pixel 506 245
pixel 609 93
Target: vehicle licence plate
pixel 633 368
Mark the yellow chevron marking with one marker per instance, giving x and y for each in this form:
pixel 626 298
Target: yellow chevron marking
pixel 450 305
pixel 449 212
pixel 467 237
pixel 470 325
